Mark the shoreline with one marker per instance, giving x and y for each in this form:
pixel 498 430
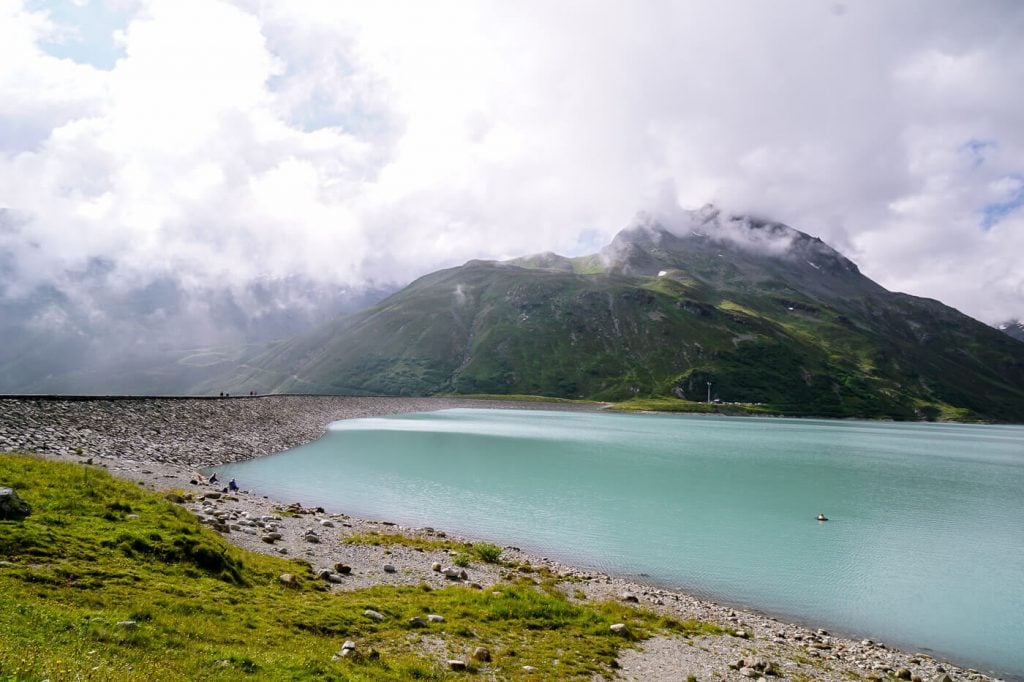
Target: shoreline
pixel 162 444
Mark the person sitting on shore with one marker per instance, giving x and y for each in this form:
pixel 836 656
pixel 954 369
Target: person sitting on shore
pixel 213 479
pixel 232 485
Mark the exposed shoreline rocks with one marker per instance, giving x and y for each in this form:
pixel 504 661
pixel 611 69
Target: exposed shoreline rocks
pixel 162 443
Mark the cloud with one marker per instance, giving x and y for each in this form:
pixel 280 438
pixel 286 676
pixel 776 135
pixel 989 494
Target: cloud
pixel 352 143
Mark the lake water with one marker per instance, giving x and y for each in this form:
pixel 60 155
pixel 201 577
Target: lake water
pixel 924 547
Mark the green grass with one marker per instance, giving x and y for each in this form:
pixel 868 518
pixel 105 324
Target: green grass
pixel 386 539
pixel 666 404
pixel 82 563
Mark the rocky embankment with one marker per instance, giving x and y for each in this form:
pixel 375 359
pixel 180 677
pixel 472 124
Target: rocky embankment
pixel 196 432
pixel 162 442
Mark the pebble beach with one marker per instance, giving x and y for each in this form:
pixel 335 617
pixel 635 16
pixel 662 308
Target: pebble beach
pixel 164 443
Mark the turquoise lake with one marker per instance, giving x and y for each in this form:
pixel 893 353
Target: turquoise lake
pixel 924 548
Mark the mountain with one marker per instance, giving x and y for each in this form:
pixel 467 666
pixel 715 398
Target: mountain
pixel 102 337
pixel 765 313
pixel 1014 328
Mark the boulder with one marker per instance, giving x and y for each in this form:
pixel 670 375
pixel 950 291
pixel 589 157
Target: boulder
pixel 481 654
pixel 629 597
pixel 417 622
pixel 373 615
pixel 435 618
pixel 620 629
pixel 12 506
pixel 457 665
pixel 388 568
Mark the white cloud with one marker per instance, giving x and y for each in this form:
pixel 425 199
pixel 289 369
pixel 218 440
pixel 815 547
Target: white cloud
pixel 353 142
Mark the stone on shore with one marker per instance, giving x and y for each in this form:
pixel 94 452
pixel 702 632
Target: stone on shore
pixel 373 615
pixel 621 629
pixel 456 665
pixel 435 618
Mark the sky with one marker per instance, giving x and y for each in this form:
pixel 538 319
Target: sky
pixel 217 144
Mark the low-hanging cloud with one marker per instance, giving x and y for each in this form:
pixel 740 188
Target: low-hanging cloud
pixel 355 145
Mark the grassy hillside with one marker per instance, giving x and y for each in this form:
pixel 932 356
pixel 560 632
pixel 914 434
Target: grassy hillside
pixel 98 552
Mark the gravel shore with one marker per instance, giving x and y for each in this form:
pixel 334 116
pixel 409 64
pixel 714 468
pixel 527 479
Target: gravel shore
pixel 162 443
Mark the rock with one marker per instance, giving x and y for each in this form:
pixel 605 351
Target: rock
pixel 388 568
pixel 748 672
pixel 742 634
pixel 12 506
pixel 286 579
pixel 175 498
pixel 373 615
pixel 212 495
pixel 629 597
pixel 903 674
pixel 436 567
pixel 327 524
pixel 621 629
pixel 942 677
pixel 344 569
pixel 434 618
pixel 349 644
pixel 529 669
pixel 481 654
pixel 127 624
pixel 456 665
pixel 452 573
pixel 417 622
pixel 311 537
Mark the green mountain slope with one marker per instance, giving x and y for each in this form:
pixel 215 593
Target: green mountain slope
pixel 765 313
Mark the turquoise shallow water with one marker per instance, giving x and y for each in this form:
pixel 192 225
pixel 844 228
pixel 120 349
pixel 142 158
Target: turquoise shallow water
pixel 924 549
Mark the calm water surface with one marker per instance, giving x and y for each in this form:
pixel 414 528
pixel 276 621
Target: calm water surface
pixel 924 549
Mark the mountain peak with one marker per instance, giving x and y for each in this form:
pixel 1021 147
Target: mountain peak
pixel 694 241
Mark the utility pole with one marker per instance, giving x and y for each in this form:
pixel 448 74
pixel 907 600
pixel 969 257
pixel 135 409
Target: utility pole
pixel 709 393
